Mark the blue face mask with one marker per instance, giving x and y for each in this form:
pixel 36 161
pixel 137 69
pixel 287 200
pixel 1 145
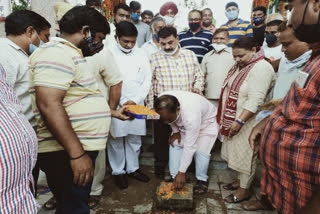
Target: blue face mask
pixel 32 47
pixel 135 16
pixel 257 20
pixel 232 15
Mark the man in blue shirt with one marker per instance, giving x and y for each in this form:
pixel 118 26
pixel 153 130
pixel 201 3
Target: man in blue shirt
pixel 196 38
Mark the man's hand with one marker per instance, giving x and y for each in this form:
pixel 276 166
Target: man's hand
pixel 82 169
pixel 197 91
pixel 234 129
pixel 120 114
pixel 174 137
pixel 256 133
pixel 129 102
pixel 179 181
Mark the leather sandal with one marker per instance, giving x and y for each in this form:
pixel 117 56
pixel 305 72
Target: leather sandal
pixel 230 187
pixel 200 188
pixel 94 201
pixel 51 204
pixel 235 199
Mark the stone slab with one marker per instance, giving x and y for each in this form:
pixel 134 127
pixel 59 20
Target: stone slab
pixel 168 200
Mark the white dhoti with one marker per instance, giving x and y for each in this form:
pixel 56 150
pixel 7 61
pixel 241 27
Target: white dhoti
pixel 99 173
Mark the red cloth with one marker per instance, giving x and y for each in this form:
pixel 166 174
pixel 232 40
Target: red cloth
pixel 169 5
pixel 290 145
pixel 228 116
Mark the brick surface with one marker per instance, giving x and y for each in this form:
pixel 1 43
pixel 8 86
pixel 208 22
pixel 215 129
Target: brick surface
pixel 176 201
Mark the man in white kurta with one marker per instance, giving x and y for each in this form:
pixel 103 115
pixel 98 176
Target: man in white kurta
pixel 194 131
pixel 125 141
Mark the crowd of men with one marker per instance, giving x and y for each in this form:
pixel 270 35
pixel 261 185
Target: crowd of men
pixel 63 101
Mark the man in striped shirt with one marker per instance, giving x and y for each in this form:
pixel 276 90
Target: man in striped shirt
pixel 236 26
pixel 196 38
pixel 73 117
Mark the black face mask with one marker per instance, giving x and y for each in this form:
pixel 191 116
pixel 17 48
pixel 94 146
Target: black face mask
pixel 308 33
pixel 194 26
pixel 271 39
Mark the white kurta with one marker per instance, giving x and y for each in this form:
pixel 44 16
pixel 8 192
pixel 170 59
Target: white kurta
pixel 136 71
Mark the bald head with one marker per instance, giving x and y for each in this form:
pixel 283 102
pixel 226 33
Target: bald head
pixel 274 16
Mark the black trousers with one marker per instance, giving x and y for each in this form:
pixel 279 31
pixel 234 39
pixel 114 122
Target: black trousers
pixel 71 198
pixel 162 133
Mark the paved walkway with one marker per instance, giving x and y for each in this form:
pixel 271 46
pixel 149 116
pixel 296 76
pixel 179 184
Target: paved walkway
pixel 140 197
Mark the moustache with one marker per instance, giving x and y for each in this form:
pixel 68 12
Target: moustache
pixel 168 50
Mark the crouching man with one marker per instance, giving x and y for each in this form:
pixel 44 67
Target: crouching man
pixel 194 131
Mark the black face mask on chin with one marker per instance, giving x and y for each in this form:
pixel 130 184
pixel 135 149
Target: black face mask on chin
pixel 308 33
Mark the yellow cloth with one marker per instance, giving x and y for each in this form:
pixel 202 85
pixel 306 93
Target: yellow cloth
pixel 59 64
pixel 61 8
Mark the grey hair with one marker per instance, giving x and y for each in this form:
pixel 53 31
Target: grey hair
pixel 154 20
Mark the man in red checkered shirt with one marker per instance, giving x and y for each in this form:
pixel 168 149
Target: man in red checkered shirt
pixel 289 139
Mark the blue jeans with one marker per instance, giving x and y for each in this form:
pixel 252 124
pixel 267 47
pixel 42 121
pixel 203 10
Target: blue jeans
pixel 71 198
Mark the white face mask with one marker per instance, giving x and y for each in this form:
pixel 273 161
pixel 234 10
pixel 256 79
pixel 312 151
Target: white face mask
pixel 169 20
pixel 125 50
pixel 171 53
pixel 218 47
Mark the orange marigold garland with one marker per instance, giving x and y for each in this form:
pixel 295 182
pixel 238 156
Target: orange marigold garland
pixel 107 7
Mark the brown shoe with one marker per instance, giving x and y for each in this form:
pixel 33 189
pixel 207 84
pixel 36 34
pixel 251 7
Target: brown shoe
pixel 256 205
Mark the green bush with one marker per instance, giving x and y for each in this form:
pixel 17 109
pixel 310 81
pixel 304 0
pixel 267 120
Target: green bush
pixel 24 4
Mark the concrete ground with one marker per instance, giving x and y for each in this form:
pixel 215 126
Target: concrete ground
pixel 141 198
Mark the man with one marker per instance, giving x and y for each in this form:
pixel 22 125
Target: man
pixel 168 11
pixel 173 68
pixel 147 16
pixel 96 4
pixel 144 33
pixel 124 145
pixel 121 13
pixel 70 110
pixel 258 20
pixel 194 132
pixel 297 54
pixel 153 45
pixel 207 17
pixel 236 26
pixel 288 140
pixel 23 29
pixel 273 49
pixel 18 153
pixel 216 64
pixel 196 38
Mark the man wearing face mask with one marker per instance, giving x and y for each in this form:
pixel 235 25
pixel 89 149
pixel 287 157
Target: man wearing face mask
pixel 273 49
pixel 70 110
pixel 144 33
pixel 173 68
pixel 259 26
pixel 236 26
pixel 168 11
pixel 216 64
pixel 194 132
pixel 288 140
pixel 153 45
pixel 22 29
pixel 125 143
pixel 196 38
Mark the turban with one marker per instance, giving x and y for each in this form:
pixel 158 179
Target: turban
pixel 61 8
pixel 169 5
pixel 230 4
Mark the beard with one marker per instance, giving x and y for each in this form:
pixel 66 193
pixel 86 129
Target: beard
pixel 206 23
pixel 84 46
